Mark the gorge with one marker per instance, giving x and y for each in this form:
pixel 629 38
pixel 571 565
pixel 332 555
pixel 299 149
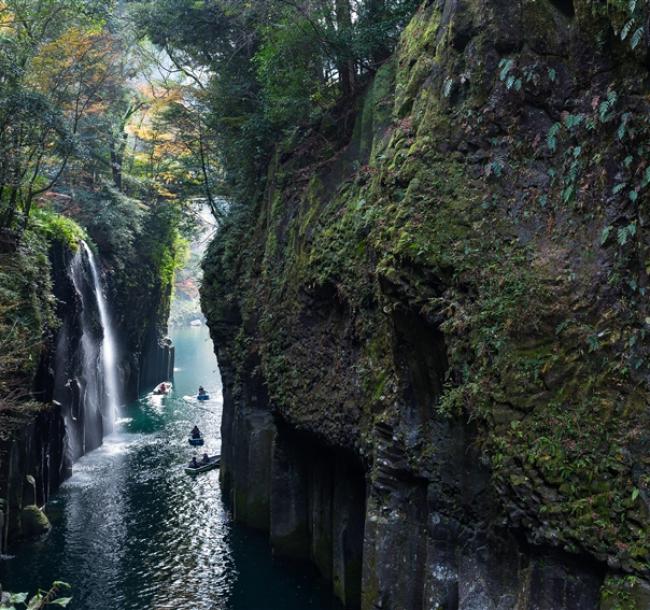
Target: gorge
pixel 426 293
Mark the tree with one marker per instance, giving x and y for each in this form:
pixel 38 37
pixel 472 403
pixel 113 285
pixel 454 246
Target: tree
pixel 270 67
pixel 58 60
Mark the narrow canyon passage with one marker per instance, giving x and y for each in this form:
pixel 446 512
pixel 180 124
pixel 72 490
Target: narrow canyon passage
pixel 405 247
pixel 133 531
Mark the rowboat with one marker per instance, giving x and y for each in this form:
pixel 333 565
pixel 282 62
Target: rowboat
pixel 203 397
pixel 163 388
pixel 213 462
pixel 195 442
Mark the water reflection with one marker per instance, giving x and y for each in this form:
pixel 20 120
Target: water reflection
pixel 133 531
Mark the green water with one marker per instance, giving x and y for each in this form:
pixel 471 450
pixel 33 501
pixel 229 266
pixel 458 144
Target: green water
pixel 133 531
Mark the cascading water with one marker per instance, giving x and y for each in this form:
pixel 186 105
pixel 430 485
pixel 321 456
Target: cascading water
pixel 108 349
pixel 86 375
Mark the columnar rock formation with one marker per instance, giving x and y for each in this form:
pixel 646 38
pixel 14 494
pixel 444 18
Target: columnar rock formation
pixel 432 337
pixel 41 439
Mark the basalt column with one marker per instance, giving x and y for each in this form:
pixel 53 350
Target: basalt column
pixel 33 464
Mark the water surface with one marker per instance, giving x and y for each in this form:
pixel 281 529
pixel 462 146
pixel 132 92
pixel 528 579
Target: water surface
pixel 133 531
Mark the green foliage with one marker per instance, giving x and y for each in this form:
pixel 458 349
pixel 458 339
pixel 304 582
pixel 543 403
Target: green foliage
pixel 42 99
pixel 618 593
pixel 551 136
pixel 506 75
pixel 289 70
pixel 38 601
pixel 506 65
pixel 161 244
pixel 276 67
pixel 58 227
pixel 114 220
pixel 607 106
pixel 537 361
pixel 627 17
pixel 27 314
pixel 626 232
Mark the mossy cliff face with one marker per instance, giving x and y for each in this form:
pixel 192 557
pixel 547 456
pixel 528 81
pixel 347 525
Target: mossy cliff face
pixel 140 282
pixel 455 302
pixel 40 316
pixel 47 420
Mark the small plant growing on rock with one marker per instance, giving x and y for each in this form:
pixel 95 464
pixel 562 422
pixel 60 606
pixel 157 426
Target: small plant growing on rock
pixel 41 599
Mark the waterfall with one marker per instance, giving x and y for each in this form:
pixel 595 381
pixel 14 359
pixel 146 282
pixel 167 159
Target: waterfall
pixel 109 346
pixel 86 381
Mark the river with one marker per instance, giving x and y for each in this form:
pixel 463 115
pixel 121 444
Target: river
pixel 132 531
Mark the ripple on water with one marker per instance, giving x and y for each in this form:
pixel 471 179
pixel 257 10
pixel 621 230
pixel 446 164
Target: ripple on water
pixel 134 532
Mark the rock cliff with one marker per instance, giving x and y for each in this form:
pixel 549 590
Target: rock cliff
pixel 432 336
pixel 51 412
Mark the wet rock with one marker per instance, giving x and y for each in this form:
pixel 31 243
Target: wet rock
pixel 33 522
pixel 453 320
pixel 32 444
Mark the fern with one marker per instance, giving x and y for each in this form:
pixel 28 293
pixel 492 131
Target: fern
pixel 551 136
pixel 621 236
pixel 636 38
pixel 627 27
pixel 573 120
pixel 604 236
pixel 624 233
pixel 622 128
pixel 447 87
pixel 568 193
pixel 505 65
pixel 603 109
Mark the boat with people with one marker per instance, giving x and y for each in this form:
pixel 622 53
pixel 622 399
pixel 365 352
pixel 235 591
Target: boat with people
pixel 203 465
pixel 196 438
pixel 202 395
pixel 162 389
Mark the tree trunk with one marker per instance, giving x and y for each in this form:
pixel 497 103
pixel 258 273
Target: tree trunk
pixel 345 62
pixel 376 14
pixel 117 159
pixel 11 209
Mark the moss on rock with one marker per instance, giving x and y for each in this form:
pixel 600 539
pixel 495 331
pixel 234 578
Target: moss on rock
pixel 503 207
pixel 33 522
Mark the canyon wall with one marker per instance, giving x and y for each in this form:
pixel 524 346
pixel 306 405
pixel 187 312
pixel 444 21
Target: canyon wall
pixel 432 337
pixel 59 413
pixel 32 442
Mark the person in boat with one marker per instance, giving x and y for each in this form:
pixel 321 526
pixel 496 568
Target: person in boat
pixel 205 459
pixel 162 388
pixel 196 433
pixel 202 391
pixel 194 463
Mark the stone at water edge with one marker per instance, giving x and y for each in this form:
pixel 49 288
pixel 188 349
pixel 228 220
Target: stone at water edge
pixel 33 522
